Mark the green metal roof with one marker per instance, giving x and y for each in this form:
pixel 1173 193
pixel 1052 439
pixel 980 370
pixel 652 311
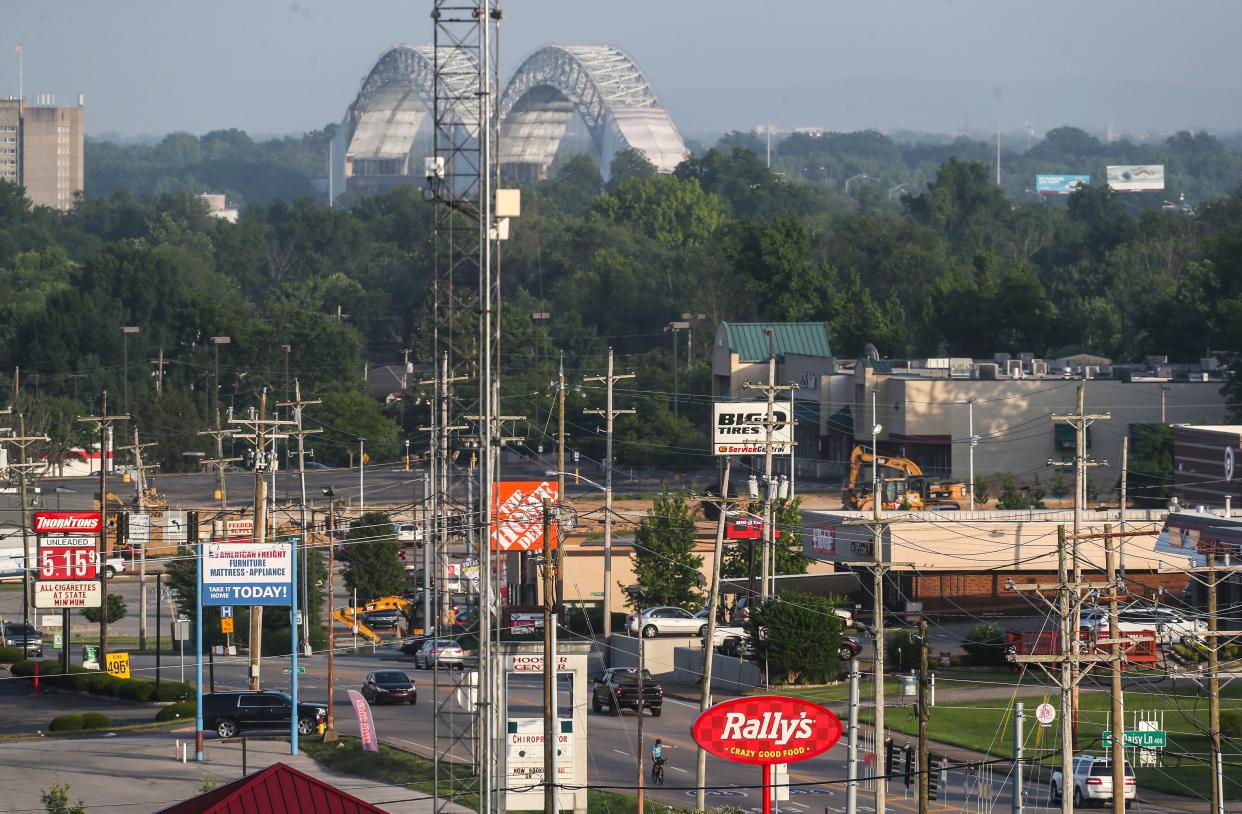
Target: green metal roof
pixel 750 343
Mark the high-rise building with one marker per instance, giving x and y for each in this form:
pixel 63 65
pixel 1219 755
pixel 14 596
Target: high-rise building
pixel 41 150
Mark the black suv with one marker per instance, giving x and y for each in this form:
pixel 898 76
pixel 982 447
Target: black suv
pixel 230 713
pixel 617 689
pixel 18 635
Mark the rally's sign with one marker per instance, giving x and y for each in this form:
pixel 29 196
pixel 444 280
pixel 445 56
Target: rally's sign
pixel 66 522
pixel 738 428
pixel 247 574
pixel 518 512
pixel 766 730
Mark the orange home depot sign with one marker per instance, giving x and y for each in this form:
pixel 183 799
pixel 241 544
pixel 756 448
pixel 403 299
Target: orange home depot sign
pixel 518 513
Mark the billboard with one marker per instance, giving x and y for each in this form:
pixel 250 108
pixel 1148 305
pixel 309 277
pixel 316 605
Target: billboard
pixel 1060 184
pixel 832 537
pixel 1136 177
pixel 66 522
pixel 518 513
pixel 766 729
pixel 737 428
pixel 247 574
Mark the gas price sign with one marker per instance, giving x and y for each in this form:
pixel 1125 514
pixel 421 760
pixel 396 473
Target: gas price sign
pixel 68 558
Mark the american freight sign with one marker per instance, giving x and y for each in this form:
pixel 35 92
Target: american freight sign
pixel 738 428
pixel 247 574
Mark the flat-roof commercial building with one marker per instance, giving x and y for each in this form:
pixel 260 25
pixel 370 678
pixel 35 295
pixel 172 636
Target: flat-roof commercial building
pixel 963 561
pixel 41 148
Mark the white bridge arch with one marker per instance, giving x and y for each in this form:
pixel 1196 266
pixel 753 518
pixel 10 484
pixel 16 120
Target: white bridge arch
pixel 386 130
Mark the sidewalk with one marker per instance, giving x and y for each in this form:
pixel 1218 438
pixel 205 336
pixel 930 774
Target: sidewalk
pixel 139 773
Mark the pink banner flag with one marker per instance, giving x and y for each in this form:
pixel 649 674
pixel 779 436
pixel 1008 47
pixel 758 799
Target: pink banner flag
pixel 366 724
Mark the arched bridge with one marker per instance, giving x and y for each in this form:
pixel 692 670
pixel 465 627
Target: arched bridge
pixel 387 129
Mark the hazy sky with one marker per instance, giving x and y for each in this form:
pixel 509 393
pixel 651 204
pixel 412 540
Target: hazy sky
pixel 151 67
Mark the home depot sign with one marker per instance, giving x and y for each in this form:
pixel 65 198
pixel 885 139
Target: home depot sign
pixel 518 513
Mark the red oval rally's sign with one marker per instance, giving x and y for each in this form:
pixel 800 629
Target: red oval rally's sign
pixel 766 729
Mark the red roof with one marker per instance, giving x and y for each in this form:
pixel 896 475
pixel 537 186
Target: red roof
pixel 278 789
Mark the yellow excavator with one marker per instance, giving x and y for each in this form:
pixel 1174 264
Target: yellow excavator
pixel 902 486
pixel 351 616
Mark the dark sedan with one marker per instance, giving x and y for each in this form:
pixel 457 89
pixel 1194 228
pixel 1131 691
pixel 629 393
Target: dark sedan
pixel 389 687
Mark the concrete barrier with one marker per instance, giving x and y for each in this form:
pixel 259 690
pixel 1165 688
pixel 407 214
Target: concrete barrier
pixel 658 654
pixel 729 674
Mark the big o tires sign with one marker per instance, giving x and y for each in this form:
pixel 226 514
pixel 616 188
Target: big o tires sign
pixel 766 729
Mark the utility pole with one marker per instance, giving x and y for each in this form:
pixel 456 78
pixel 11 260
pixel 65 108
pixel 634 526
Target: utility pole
pixel 851 763
pixel 1164 391
pixel 770 492
pixel 549 668
pixel 673 328
pixel 974 440
pixel 140 473
pixel 126 330
pixel 709 642
pixel 1117 714
pixel 105 423
pixel 439 462
pixel 1124 500
pixel 263 431
pixel 609 413
pixel 1080 420
pixel 329 732
pixel 23 467
pixel 924 685
pixel 300 432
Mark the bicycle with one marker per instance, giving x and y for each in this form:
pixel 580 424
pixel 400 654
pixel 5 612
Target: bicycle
pixel 657 770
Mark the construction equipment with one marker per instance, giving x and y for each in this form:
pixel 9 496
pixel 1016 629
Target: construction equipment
pixel 351 616
pixel 902 486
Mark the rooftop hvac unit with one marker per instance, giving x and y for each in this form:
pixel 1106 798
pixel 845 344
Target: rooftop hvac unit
pixel 1001 359
pixel 1026 358
pixel 1039 367
pixel 987 371
pixel 1156 361
pixel 1014 368
pixel 1090 371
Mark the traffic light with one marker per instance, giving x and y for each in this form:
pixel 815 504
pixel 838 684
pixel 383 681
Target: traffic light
pixel 933 776
pixel 890 758
pixel 909 755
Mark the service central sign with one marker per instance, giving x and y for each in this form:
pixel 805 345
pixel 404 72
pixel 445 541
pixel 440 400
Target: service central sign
pixel 738 428
pixel 247 574
pixel 766 730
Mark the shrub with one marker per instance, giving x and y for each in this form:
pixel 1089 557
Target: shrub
pixel 95 720
pixel 23 668
pixel 98 682
pixel 172 690
pixel 49 667
pixel 177 711
pixel 1231 723
pixel 10 655
pixel 66 723
pixel 132 690
pixel 985 644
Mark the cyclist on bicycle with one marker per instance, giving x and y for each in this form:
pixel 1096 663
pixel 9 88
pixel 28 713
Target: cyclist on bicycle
pixel 657 760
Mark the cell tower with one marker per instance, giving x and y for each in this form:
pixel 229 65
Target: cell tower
pixel 463 175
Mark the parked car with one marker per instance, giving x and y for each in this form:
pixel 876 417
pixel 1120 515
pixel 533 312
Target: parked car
pixel 389 687
pixel 721 634
pixel 17 634
pixel 230 713
pixel 382 619
pixel 439 652
pixel 741 612
pixel 617 689
pixel 664 620
pixel 851 646
pixel 1093 781
pixel 316 465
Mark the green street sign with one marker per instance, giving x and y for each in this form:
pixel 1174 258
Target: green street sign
pixel 289 670
pixel 1146 739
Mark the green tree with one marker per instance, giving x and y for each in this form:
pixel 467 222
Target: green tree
pixel 346 416
pixel 627 164
pixel 672 211
pixel 117 610
pixel 55 799
pixel 985 645
pixel 374 567
pixel 1059 488
pixel 1010 497
pixel 982 490
pixel 664 562
pixel 1151 465
pixel 803 637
